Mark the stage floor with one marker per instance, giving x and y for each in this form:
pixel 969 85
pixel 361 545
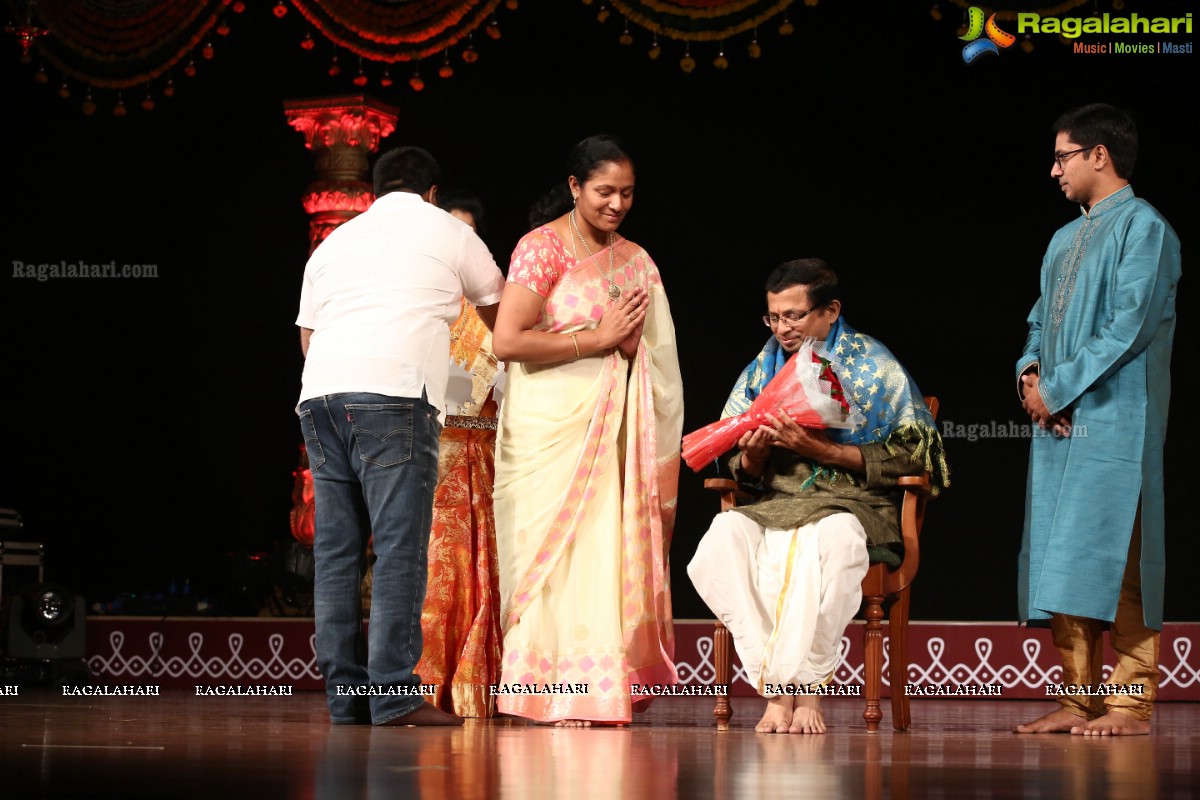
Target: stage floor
pixel 178 745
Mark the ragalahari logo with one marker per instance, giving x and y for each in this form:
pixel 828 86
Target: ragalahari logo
pixel 976 27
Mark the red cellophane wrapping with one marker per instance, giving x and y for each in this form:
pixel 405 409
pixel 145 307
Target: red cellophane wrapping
pixel 806 389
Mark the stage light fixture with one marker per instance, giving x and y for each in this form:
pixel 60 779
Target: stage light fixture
pixel 46 621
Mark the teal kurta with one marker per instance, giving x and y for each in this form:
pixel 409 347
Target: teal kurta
pixel 1101 333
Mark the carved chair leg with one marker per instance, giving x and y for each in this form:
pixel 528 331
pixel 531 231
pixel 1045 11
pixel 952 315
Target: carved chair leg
pixel 873 661
pixel 723 664
pixel 898 659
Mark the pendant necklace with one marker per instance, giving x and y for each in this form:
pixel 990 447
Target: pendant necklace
pixel 613 290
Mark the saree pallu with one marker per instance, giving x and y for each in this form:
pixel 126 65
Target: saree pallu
pixel 586 477
pixel 460 620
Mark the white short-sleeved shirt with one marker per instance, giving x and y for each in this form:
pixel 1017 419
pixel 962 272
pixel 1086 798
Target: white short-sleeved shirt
pixel 380 293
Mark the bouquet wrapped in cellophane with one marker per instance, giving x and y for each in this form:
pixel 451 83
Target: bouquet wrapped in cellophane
pixel 806 388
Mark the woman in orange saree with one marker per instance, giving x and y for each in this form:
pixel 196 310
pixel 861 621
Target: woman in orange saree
pixel 587 461
pixel 460 621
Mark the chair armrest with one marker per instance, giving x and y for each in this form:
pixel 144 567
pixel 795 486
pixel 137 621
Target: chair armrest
pixel 916 483
pixel 912 518
pixel 731 495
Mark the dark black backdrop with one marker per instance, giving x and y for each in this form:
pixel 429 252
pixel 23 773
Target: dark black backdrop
pixel 146 426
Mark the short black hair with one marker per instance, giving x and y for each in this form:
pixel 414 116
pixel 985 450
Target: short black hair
pixel 463 200
pixel 406 169
pixel 1100 123
pixel 820 282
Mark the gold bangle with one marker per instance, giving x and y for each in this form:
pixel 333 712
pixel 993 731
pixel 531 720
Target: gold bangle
pixel 575 342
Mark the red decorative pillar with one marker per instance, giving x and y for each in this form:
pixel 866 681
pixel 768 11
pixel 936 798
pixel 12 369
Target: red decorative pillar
pixel 342 132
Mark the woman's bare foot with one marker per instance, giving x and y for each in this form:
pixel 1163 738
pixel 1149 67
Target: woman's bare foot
pixel 778 717
pixel 573 723
pixel 1114 723
pixel 807 718
pixel 1058 721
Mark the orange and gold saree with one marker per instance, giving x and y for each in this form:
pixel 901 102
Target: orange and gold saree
pixel 587 469
pixel 460 621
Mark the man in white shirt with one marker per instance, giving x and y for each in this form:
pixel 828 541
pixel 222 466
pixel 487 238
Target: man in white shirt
pixel 377 300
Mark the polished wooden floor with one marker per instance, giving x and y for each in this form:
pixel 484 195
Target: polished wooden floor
pixel 181 746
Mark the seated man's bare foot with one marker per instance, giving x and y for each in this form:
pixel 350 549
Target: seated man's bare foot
pixel 778 716
pixel 426 715
pixel 807 718
pixel 573 723
pixel 1114 723
pixel 1058 721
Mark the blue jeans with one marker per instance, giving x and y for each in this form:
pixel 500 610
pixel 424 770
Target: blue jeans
pixel 374 462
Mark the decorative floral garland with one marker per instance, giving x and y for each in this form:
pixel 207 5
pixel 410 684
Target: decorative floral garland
pixel 118 44
pixel 121 44
pixel 699 20
pixel 383 31
pixel 124 43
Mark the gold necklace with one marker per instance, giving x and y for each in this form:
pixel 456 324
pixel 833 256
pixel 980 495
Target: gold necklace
pixel 613 290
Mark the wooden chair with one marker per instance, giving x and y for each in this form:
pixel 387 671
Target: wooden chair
pixel 883 586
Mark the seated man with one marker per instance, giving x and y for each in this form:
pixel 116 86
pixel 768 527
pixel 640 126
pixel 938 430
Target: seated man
pixel 784 573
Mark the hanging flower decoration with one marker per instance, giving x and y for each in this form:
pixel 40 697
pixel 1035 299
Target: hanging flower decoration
pixel 699 20
pixel 118 45
pixel 378 30
pixel 721 62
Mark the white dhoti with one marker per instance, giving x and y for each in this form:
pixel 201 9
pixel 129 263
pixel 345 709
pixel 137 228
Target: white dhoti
pixel 786 596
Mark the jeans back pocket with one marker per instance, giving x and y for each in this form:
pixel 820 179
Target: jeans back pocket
pixel 383 431
pixel 312 445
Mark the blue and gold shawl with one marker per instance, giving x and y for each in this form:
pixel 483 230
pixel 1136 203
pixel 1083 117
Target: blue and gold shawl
pixel 875 381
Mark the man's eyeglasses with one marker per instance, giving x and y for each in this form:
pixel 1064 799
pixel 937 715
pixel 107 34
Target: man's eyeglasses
pixel 789 318
pixel 1061 158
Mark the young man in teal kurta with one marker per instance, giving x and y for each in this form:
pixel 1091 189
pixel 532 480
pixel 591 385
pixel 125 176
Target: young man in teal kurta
pixel 1095 377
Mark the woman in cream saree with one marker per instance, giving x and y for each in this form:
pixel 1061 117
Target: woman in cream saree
pixel 587 468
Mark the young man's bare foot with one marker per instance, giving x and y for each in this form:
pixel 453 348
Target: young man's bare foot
pixel 426 715
pixel 1058 721
pixel 807 717
pixel 1114 723
pixel 778 717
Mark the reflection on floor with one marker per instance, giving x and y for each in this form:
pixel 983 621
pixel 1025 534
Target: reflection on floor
pixel 182 746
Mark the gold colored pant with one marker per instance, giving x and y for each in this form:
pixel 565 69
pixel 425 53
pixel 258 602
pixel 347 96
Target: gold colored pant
pixel 1079 640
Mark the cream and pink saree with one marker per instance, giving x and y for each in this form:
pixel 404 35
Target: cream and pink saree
pixel 587 468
